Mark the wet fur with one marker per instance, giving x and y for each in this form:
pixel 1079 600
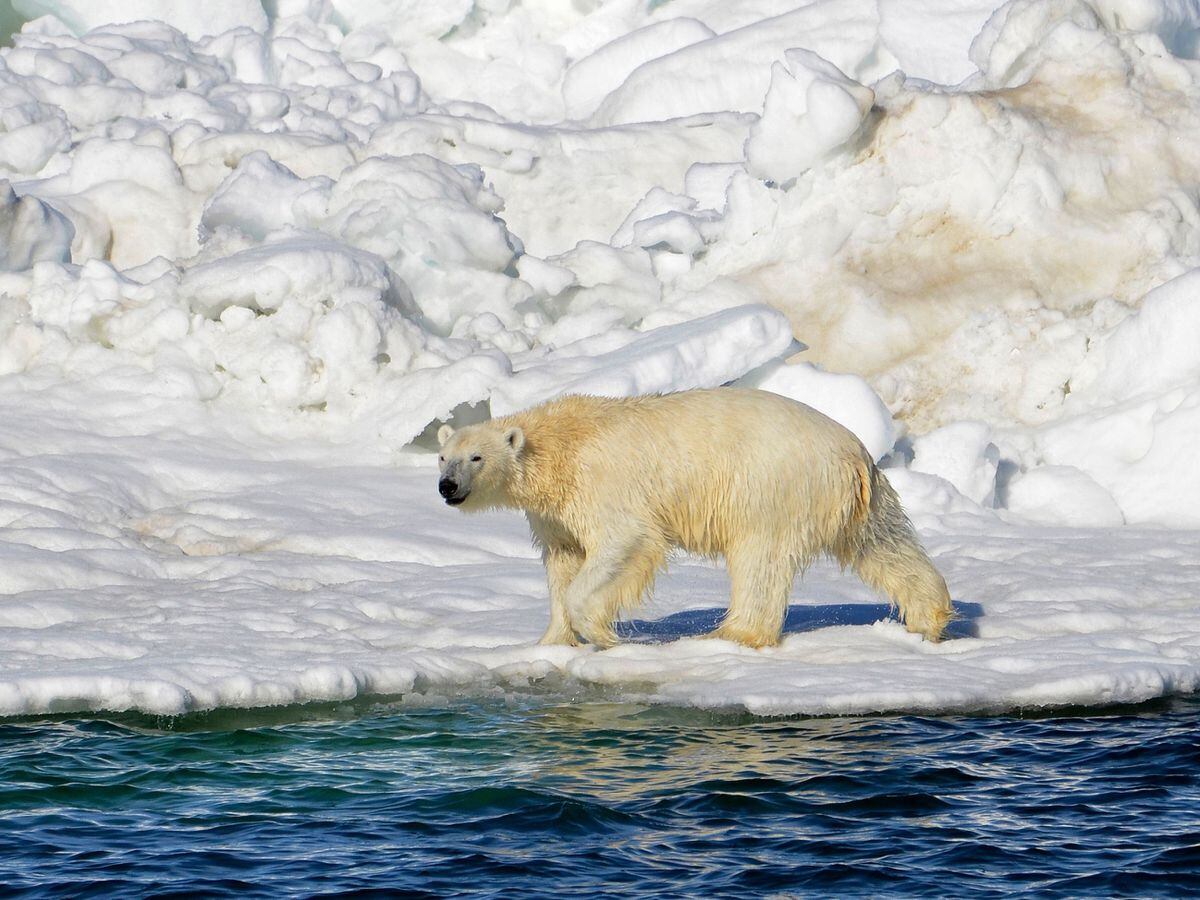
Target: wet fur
pixel 611 486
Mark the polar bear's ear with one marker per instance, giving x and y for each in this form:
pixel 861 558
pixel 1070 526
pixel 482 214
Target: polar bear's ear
pixel 444 434
pixel 515 438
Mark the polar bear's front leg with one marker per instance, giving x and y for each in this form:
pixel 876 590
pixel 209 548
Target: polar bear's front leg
pixel 611 579
pixel 587 599
pixel 562 565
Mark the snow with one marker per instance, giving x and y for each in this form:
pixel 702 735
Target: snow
pixel 930 40
pixel 810 111
pixel 732 71
pixel 845 398
pixel 964 455
pixel 1062 495
pixel 31 231
pixel 196 22
pixel 591 79
pixel 252 256
pixel 704 353
pixel 173 571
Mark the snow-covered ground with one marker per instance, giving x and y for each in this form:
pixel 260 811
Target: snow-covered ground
pixel 248 262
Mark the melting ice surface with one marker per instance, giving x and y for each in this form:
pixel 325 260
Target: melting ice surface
pixel 248 262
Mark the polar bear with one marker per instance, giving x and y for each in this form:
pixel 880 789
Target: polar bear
pixel 611 486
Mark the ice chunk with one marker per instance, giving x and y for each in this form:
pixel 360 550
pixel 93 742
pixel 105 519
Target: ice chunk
pixel 1150 352
pixel 964 455
pixel 708 183
pixel 846 399
pixel 592 78
pixel 436 226
pixel 1134 409
pixel 128 197
pixel 606 277
pixel 546 279
pixel 657 202
pixel 706 352
pixel 31 231
pixel 732 71
pixel 932 39
pixel 811 109
pixel 1177 22
pixel 304 269
pixel 27 144
pixel 1017 37
pixel 405 21
pixel 261 196
pixel 1062 495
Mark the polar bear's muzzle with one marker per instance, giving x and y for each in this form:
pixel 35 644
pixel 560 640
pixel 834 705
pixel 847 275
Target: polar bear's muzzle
pixel 449 489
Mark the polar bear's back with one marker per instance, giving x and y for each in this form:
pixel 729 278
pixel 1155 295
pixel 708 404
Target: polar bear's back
pixel 726 427
pixel 710 467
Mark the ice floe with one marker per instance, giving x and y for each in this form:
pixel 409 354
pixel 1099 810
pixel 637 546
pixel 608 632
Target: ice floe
pixel 251 256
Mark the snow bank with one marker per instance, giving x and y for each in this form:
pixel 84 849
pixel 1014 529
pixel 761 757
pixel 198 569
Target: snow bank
pixel 732 71
pixel 591 79
pixel 238 243
pixel 244 255
pixel 1135 407
pixel 703 353
pixel 194 20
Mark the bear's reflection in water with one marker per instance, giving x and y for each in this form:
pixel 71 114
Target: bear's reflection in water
pixel 618 752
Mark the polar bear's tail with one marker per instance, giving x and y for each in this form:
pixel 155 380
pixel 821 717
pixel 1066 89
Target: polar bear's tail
pixel 882 547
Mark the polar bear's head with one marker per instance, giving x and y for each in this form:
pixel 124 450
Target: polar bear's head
pixel 477 464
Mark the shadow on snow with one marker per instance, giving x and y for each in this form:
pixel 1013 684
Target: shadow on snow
pixel 799 619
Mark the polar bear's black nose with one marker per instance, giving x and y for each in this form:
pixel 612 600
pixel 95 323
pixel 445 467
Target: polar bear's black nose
pixel 447 487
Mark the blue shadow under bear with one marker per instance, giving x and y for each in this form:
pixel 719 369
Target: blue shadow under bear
pixel 799 619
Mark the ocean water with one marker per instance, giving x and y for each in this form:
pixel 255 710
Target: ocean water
pixel 531 797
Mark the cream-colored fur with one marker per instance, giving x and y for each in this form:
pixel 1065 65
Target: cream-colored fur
pixel 611 486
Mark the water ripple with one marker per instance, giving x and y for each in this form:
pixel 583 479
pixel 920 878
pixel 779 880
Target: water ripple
pixel 530 800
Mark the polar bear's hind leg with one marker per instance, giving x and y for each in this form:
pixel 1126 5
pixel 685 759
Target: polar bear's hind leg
pixel 761 576
pixel 887 555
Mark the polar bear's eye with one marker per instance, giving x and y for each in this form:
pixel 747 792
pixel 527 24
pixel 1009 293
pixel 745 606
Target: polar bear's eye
pixel 476 459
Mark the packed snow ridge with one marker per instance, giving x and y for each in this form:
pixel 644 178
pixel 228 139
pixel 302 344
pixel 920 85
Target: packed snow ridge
pixel 251 256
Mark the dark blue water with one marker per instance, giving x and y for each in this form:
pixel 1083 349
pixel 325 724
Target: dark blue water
pixel 531 799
